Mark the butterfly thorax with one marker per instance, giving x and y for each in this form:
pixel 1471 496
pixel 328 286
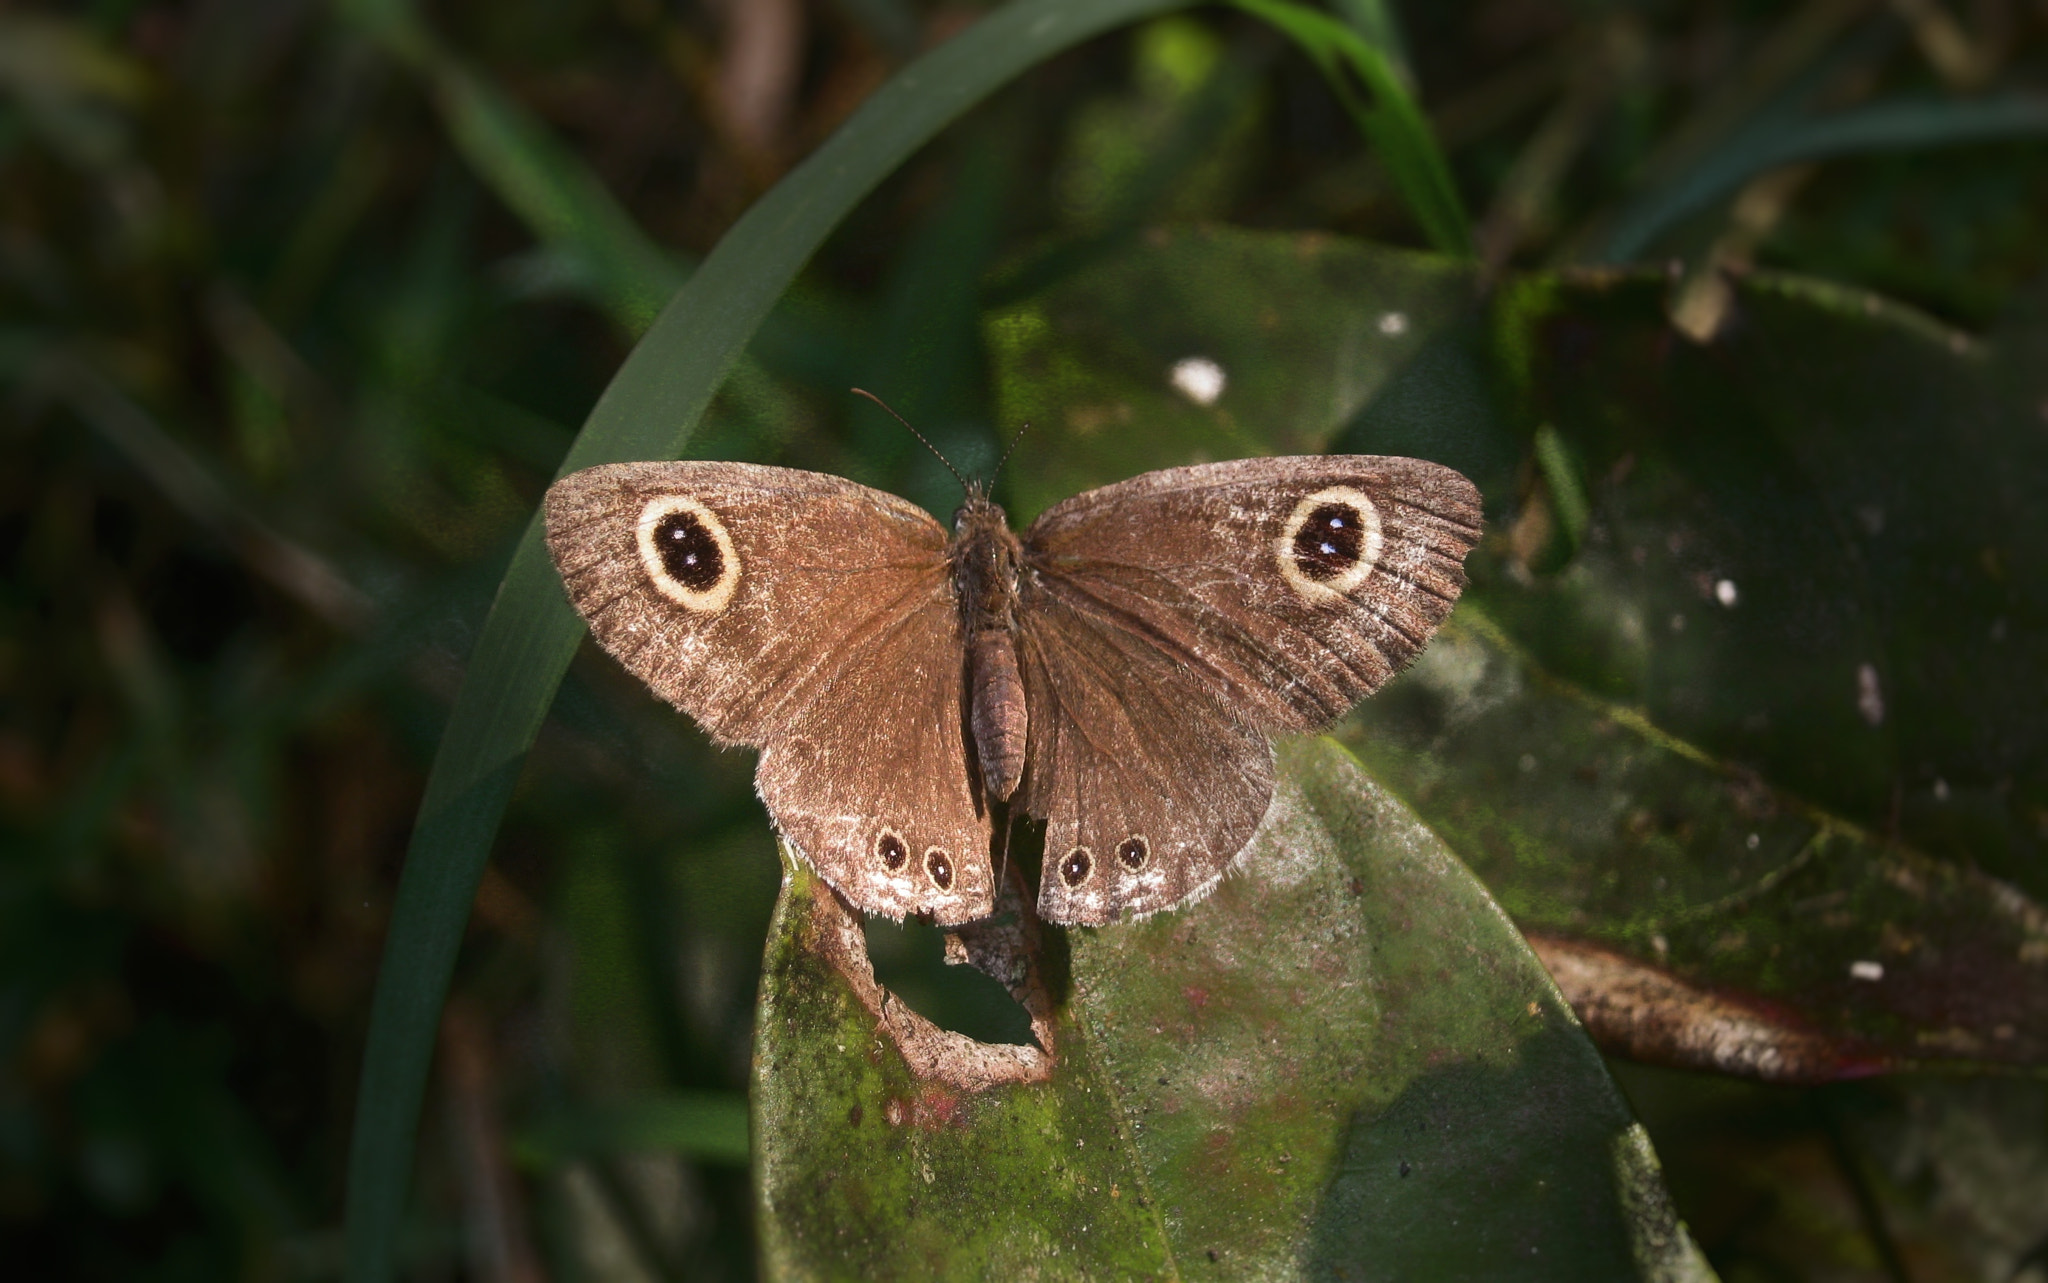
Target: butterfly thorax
pixel 984 555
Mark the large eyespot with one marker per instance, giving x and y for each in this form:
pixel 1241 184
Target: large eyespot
pixel 1330 544
pixel 891 850
pixel 1078 864
pixel 1132 852
pixel 938 866
pixel 687 553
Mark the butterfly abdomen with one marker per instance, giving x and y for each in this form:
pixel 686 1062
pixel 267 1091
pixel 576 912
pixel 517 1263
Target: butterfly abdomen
pixel 998 719
pixel 984 557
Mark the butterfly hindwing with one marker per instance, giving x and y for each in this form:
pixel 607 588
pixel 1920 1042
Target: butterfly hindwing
pixel 1148 782
pixel 1171 623
pixel 812 618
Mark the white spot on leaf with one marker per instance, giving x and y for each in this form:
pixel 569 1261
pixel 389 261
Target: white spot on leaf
pixel 1393 323
pixel 1199 379
pixel 1869 696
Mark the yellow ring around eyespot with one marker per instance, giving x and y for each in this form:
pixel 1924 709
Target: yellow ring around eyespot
pixel 1341 586
pixel 708 600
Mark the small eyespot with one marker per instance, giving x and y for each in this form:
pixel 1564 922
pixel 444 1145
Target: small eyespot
pixel 938 866
pixel 1132 853
pixel 889 845
pixel 1077 865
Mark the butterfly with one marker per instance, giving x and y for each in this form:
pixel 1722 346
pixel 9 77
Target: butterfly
pixel 1116 672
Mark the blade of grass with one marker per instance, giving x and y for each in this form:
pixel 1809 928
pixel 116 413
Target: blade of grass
pixel 533 172
pixel 1392 122
pixel 648 411
pixel 1202 126
pixel 1899 124
pixel 1381 26
pixel 554 193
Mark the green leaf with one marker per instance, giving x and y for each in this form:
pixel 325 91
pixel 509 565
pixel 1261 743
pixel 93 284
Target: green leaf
pixel 648 411
pixel 1392 121
pixel 1904 124
pixel 1609 840
pixel 1301 1073
pixel 1784 670
pixel 1838 484
pixel 1305 333
pixel 1818 544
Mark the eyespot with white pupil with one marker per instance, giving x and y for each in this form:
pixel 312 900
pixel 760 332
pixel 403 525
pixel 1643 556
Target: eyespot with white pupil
pixel 891 850
pixel 938 866
pixel 1076 866
pixel 687 553
pixel 1330 543
pixel 1132 853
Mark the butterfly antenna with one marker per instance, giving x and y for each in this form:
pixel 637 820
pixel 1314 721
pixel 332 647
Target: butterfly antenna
pixel 919 435
pixel 1007 452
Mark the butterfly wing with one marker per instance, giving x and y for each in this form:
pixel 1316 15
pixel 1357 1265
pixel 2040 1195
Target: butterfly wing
pixel 811 618
pixel 1169 624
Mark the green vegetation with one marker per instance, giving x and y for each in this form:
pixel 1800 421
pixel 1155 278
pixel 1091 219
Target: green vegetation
pixel 324 892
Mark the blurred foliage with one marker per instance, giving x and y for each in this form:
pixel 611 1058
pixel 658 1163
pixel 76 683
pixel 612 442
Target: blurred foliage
pixel 300 304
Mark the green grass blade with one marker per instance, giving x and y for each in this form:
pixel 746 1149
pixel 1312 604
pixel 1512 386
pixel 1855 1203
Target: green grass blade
pixel 1897 125
pixel 558 196
pixel 1392 122
pixel 548 186
pixel 648 411
pixel 1381 26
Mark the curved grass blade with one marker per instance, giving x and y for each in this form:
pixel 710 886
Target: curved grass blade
pixel 648 411
pixel 1392 122
pixel 567 207
pixel 1377 22
pixel 1895 125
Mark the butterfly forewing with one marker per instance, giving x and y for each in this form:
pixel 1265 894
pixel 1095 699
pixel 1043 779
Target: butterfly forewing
pixel 1196 611
pixel 810 617
pixel 1163 629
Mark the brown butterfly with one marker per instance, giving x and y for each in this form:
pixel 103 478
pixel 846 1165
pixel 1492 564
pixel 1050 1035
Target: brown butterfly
pixel 1116 672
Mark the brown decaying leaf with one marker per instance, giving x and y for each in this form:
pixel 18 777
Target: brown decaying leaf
pixel 1647 1014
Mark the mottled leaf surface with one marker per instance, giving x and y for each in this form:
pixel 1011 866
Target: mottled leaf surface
pixel 1305 331
pixel 1344 1062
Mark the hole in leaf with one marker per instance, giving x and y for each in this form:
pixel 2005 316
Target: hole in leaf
pixel 910 962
